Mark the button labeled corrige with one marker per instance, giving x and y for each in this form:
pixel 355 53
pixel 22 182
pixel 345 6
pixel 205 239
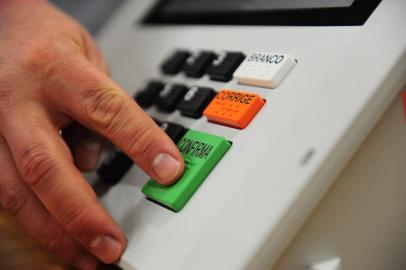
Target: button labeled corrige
pixel 234 109
pixel 201 152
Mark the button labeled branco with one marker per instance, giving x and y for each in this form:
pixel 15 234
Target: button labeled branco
pixel 264 69
pixel 234 109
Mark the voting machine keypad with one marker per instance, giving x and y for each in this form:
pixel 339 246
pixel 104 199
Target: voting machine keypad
pixel 227 107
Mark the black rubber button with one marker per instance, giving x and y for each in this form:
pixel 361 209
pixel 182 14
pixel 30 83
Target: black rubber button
pixel 148 93
pixel 174 63
pixel 114 167
pixel 169 97
pixel 195 101
pixel 223 67
pixel 174 131
pixel 197 63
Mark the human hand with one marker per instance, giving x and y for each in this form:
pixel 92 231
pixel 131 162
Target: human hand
pixel 52 78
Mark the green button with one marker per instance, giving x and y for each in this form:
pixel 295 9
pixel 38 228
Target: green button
pixel 201 152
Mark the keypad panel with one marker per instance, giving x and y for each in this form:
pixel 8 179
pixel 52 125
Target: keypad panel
pixel 227 107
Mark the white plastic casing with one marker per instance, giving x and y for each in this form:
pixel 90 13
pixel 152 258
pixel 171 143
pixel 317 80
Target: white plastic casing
pixel 251 205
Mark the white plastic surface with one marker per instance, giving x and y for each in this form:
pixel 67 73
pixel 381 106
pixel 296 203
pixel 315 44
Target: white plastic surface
pixel 362 218
pixel 247 210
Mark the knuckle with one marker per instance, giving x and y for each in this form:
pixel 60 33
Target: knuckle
pixel 104 107
pixel 141 141
pixel 13 199
pixel 37 164
pixel 38 55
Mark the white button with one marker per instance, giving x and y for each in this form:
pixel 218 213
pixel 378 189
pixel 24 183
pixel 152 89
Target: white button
pixel 264 69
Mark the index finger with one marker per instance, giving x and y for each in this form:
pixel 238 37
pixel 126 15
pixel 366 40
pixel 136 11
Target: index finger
pixel 97 102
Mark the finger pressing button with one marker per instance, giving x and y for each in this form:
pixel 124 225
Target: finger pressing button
pixel 201 152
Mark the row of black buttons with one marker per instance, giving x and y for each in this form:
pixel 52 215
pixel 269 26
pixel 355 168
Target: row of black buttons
pixel 118 163
pixel 191 102
pixel 219 67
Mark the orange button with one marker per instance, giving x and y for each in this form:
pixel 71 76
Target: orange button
pixel 234 109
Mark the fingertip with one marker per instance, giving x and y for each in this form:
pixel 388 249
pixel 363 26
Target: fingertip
pixel 167 168
pixel 107 248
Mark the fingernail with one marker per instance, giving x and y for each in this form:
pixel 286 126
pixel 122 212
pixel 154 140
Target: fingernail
pixel 91 145
pixel 85 262
pixel 165 167
pixel 106 248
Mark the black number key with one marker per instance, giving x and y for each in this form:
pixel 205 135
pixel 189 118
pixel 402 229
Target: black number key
pixel 175 62
pixel 169 97
pixel 114 167
pixel 195 101
pixel 223 67
pixel 197 64
pixel 146 96
pixel 174 131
